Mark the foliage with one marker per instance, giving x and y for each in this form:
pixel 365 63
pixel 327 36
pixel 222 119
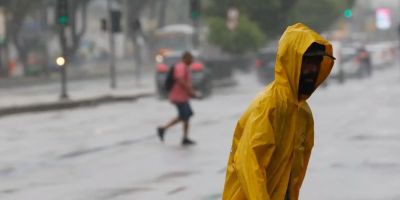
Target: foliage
pixel 321 15
pixel 269 15
pixel 246 37
pixel 272 16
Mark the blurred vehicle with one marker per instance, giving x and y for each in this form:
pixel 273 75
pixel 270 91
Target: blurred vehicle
pixel 201 76
pixel 265 64
pixel 353 62
pixel 382 54
pixel 364 58
pixel 337 72
pixel 173 38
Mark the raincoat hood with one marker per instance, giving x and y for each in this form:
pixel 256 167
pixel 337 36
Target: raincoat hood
pixel 292 46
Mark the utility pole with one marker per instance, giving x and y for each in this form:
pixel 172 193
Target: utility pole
pixel 195 12
pixel 63 64
pixel 113 83
pixel 62 20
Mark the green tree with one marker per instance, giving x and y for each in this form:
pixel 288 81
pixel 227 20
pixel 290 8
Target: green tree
pixel 272 16
pixel 17 12
pixel 246 37
pixel 77 7
pixel 320 15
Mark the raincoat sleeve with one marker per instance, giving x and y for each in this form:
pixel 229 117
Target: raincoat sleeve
pixel 308 145
pixel 253 155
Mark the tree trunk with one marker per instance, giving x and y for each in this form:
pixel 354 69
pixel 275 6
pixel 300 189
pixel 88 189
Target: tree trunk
pixel 77 34
pixel 45 69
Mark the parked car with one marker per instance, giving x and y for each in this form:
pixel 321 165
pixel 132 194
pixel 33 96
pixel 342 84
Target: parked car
pixel 352 61
pixel 356 62
pixel 364 57
pixel 265 64
pixel 201 77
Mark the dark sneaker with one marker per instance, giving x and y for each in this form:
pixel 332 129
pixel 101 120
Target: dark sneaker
pixel 160 133
pixel 187 142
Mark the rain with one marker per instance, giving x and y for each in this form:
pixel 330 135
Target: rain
pixel 82 94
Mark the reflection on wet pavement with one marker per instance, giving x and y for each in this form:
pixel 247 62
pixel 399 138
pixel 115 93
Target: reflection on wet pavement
pixel 174 175
pixel 176 190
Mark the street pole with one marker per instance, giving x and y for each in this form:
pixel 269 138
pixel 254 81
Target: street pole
pixel 195 12
pixel 112 47
pixel 63 70
pixel 196 35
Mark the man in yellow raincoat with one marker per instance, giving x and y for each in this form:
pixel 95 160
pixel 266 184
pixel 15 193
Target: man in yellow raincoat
pixel 273 139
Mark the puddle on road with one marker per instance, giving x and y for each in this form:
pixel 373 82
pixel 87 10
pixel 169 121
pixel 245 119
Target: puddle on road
pixel 208 122
pixel 374 165
pixel 381 165
pixel 8 191
pixel 213 197
pixel 78 153
pixel 7 171
pixel 176 190
pixel 118 192
pixel 83 152
pixel 174 175
pixel 134 141
pixel 367 137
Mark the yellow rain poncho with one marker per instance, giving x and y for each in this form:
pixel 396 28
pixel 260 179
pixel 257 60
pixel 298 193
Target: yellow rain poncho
pixel 273 139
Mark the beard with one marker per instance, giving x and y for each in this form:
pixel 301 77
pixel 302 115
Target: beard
pixel 307 84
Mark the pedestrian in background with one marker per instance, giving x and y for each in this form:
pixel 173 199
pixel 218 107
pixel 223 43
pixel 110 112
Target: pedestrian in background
pixel 179 96
pixel 365 60
pixel 273 139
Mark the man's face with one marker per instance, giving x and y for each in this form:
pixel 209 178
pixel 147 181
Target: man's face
pixel 308 77
pixel 187 60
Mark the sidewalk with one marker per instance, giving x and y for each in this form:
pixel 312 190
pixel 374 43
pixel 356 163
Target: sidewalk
pixel 46 96
pixel 88 85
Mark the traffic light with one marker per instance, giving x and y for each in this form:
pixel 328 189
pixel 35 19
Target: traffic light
pixel 62 12
pixel 116 21
pixel 348 13
pixel 195 8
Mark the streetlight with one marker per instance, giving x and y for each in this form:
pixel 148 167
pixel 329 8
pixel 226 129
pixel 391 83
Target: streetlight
pixel 60 61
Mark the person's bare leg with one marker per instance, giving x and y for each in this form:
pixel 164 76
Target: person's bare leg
pixel 186 140
pixel 161 130
pixel 171 123
pixel 185 129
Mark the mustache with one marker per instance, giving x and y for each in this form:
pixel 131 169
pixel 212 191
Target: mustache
pixel 309 76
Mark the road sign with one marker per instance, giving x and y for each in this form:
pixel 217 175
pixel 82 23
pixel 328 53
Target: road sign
pixel 232 18
pixel 382 18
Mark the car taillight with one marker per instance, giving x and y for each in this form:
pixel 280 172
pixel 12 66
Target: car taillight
pixel 258 63
pixel 162 67
pixel 197 66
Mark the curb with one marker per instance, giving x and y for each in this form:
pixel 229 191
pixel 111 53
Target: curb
pixel 71 104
